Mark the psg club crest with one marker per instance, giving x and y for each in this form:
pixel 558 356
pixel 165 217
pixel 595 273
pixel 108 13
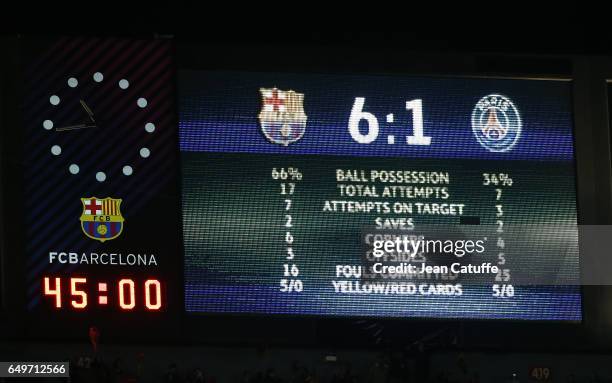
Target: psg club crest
pixel 282 116
pixel 496 123
pixel 101 218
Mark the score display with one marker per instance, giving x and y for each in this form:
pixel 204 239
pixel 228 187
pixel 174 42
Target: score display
pixel 290 179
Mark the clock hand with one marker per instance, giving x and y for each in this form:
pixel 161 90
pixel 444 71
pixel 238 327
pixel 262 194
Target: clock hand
pixel 88 110
pixel 74 127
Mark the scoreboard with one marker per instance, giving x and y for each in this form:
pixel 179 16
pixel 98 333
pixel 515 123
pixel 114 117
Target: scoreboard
pixel 152 190
pixel 288 177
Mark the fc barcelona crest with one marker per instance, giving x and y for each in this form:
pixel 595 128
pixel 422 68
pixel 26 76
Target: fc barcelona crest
pixel 282 116
pixel 101 218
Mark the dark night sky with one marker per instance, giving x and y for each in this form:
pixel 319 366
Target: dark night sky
pixel 494 27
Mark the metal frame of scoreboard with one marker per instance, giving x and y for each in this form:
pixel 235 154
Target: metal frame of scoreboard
pixel 594 184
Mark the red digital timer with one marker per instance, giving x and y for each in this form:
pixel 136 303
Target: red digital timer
pixel 128 294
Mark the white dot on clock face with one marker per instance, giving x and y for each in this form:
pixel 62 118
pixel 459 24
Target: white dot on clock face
pixel 73 169
pixel 73 82
pixel 150 127
pixel 142 102
pixel 127 170
pixel 54 100
pixel 144 152
pixel 56 150
pixel 123 84
pixel 48 124
pixel 98 77
pixel 100 176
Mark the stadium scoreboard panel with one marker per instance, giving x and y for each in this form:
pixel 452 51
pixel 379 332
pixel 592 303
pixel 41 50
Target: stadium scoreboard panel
pixel 282 173
pixel 154 193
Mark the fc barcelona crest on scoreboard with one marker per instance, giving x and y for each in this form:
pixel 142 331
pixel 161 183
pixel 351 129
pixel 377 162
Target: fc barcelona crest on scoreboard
pixel 282 116
pixel 101 218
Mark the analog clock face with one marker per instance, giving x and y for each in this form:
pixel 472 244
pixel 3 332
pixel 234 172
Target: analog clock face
pixel 100 126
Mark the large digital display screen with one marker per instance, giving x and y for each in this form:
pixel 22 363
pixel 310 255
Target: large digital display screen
pixel 298 187
pixel 156 194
